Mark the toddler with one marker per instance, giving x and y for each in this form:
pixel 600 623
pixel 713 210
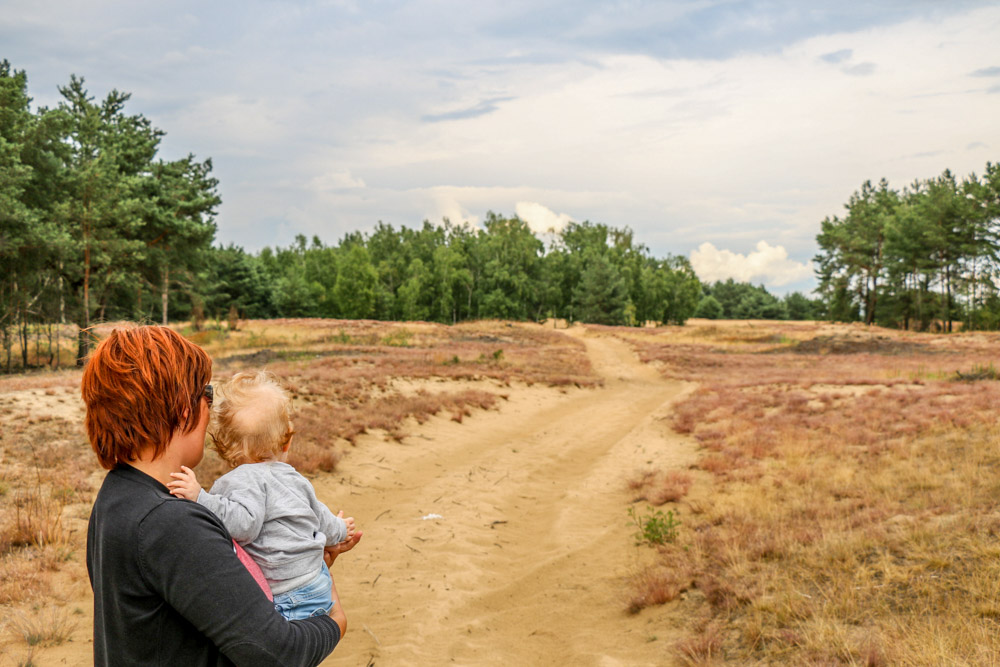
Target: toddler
pixel 268 507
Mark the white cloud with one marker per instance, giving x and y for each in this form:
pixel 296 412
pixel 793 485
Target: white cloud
pixel 444 204
pixel 540 218
pixel 768 264
pixel 336 180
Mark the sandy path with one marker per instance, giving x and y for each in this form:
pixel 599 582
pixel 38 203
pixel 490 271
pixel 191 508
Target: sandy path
pixel 527 562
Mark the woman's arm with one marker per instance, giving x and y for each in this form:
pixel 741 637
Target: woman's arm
pixel 329 556
pixel 337 610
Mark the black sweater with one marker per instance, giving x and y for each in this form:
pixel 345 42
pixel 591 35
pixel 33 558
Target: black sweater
pixel 169 590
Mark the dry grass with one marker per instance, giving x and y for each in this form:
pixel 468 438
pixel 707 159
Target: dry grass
pixel 46 481
pixel 345 375
pixel 47 627
pixel 659 487
pixel 851 499
pixel 653 586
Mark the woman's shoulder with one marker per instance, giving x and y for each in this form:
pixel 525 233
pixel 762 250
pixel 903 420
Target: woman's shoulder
pixel 173 507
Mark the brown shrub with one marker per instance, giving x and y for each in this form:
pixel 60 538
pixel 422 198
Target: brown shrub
pixel 704 647
pixel 309 457
pixel 37 519
pixel 661 487
pixel 652 586
pixel 20 578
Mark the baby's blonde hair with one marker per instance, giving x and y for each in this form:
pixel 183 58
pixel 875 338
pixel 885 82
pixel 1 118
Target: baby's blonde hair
pixel 251 418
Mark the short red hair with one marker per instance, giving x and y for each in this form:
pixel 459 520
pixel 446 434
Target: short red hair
pixel 137 384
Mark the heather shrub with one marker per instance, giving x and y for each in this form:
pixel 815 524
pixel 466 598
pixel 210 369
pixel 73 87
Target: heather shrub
pixel 848 512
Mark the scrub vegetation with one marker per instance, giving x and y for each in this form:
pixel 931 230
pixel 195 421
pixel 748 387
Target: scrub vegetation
pixel 846 504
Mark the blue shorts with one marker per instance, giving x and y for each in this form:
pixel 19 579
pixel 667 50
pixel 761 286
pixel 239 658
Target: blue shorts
pixel 313 599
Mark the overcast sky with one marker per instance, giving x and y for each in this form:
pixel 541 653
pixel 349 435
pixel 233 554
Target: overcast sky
pixel 724 131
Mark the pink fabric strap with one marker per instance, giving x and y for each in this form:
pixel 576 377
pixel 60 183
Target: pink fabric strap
pixel 254 570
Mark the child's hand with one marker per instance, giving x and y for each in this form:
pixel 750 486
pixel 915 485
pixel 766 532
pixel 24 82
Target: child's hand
pixel 185 484
pixel 349 521
pixel 330 553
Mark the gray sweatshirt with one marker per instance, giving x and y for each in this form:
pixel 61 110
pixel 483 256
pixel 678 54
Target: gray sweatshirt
pixel 272 511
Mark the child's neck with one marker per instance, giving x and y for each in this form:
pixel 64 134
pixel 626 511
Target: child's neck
pixel 280 458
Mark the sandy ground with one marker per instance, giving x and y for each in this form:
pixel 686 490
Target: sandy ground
pixel 504 539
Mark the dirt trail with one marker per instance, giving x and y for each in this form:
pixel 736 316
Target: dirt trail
pixel 527 561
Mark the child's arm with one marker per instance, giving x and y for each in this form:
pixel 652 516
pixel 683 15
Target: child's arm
pixel 185 484
pixel 335 527
pixel 239 501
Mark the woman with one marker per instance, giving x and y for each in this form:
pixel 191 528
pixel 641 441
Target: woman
pixel 168 587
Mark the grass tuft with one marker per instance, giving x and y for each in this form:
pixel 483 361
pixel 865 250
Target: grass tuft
pixel 47 628
pixel 653 586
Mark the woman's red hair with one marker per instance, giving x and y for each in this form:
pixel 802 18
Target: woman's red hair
pixel 137 385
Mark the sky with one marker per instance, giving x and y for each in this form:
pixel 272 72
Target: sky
pixel 721 130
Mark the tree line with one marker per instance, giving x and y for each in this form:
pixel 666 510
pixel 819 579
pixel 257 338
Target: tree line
pixel 449 273
pixel 95 226
pixel 919 258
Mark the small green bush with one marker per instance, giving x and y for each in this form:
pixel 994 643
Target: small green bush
pixel 654 527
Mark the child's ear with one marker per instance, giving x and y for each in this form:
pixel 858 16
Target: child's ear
pixel 287 445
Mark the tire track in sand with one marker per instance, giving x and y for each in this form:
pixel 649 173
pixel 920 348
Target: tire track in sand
pixel 526 564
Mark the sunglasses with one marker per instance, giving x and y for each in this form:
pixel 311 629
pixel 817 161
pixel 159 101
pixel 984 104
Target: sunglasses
pixel 209 394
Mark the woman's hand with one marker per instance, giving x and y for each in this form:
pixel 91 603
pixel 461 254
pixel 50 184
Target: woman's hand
pixel 330 553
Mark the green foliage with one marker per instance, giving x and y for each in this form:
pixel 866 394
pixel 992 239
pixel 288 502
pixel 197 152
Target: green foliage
pixel 746 302
pixel 799 307
pixel 600 296
pixel 916 258
pixel 356 285
pixel 655 526
pixel 709 308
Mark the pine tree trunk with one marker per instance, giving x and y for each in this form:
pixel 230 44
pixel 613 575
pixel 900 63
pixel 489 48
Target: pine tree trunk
pixel 6 345
pixel 82 345
pixel 164 295
pixel 83 336
pixel 24 342
pixel 947 298
pixel 62 299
